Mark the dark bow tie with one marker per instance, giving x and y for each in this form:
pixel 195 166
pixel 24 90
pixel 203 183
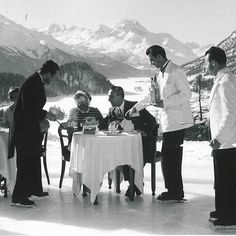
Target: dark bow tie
pixel 164 67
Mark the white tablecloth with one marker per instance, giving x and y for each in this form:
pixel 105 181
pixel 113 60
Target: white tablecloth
pixel 92 156
pixel 7 166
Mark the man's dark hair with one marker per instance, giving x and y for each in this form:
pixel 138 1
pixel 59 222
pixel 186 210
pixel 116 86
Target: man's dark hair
pixel 49 67
pixel 118 90
pixel 156 50
pixel 217 54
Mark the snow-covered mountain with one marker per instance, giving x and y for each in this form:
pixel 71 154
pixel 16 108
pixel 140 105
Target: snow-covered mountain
pixel 229 45
pixel 23 50
pixel 126 42
pixel 197 49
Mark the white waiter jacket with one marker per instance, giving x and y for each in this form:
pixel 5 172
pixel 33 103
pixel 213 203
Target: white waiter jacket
pixel 175 93
pixel 222 109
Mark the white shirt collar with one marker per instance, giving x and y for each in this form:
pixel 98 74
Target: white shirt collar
pixel 41 77
pixel 122 106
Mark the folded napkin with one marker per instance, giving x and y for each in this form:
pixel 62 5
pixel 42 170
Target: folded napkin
pixel 127 125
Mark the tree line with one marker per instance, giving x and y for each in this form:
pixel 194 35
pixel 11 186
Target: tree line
pixel 73 76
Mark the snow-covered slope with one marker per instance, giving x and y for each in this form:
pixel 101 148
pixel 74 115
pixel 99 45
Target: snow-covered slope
pixel 126 42
pixel 229 45
pixel 23 50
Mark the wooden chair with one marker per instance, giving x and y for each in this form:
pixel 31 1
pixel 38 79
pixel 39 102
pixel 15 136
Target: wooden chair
pixel 43 154
pixel 157 157
pixel 3 186
pixel 154 156
pixel 64 142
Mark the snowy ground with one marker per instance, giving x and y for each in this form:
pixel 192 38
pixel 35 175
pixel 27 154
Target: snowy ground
pixel 62 214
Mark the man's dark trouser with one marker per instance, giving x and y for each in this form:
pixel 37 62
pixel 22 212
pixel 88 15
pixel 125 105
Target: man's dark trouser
pixel 172 152
pixel 149 148
pixel 28 179
pixel 225 183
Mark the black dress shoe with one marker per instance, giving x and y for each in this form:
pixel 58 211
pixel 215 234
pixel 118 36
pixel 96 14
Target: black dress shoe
pixel 221 222
pixel 168 197
pixel 22 202
pixel 213 216
pixel 39 195
pixel 136 190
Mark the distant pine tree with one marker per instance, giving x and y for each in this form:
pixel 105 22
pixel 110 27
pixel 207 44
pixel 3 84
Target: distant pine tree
pixel 79 75
pixel 74 76
pixel 8 80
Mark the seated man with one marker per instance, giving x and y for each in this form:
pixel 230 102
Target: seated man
pixel 82 111
pixel 145 123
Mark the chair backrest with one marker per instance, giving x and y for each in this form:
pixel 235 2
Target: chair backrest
pixel 64 140
pixel 44 144
pixel 153 154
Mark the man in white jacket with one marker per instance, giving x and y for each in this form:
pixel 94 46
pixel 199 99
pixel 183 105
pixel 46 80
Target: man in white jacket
pixel 174 100
pixel 222 114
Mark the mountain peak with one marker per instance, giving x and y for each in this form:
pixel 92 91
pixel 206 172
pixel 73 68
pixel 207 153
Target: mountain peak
pixel 103 29
pixel 56 28
pixel 130 25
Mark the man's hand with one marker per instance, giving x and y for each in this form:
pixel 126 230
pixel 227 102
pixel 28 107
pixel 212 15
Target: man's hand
pixel 143 133
pixel 215 144
pixel 129 113
pixel 51 116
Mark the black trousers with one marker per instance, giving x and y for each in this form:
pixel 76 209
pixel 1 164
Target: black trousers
pixel 171 164
pixel 28 177
pixel 149 148
pixel 225 183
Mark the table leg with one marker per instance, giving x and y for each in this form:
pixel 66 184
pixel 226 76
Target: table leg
pixel 109 180
pixel 117 181
pixel 85 190
pixel 96 201
pixel 131 183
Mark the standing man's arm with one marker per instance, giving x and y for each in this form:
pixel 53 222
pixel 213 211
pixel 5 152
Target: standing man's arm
pixel 227 93
pixel 184 91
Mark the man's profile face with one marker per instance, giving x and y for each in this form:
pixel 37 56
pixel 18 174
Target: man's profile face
pixel 155 61
pixel 114 99
pixel 208 65
pixel 49 77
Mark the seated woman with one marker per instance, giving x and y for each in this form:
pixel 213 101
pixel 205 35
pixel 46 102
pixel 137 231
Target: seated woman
pixel 8 114
pixel 82 111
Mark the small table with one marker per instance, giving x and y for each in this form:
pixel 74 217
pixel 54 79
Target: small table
pixel 92 156
pixel 7 166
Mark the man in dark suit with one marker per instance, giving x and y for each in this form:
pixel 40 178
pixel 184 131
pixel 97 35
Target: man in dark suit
pixel 145 123
pixel 27 137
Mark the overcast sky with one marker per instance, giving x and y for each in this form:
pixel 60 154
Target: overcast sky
pixel 201 21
